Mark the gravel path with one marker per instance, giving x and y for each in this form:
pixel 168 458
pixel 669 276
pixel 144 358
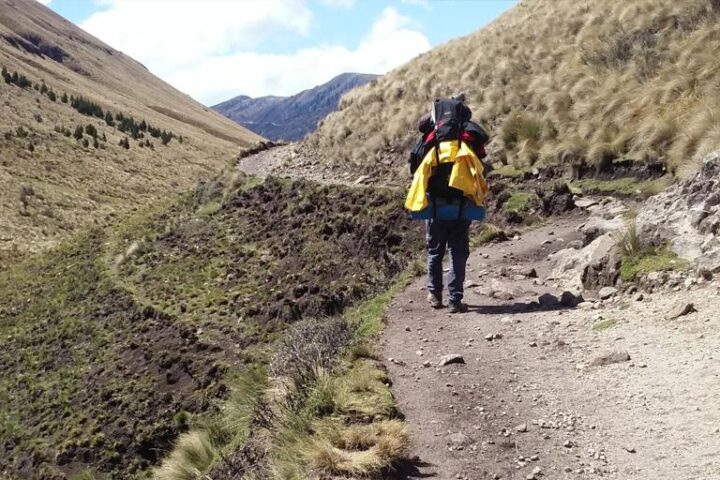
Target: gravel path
pixel 528 404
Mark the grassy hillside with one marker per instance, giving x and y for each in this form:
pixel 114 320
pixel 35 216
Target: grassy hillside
pixel 52 182
pixel 576 83
pixel 112 344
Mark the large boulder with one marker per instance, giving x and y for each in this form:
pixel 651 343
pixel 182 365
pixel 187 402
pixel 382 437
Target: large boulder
pixel 687 217
pixel 570 266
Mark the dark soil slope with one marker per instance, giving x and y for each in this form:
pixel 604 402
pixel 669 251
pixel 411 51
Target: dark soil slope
pixel 109 342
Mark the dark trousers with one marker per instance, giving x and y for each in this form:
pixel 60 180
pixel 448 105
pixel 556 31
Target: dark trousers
pixel 455 236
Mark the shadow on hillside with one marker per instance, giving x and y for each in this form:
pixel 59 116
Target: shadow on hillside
pixel 409 468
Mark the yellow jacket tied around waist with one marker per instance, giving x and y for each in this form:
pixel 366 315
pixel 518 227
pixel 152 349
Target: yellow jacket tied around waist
pixel 466 175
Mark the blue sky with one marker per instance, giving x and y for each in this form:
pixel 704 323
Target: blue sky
pixel 216 49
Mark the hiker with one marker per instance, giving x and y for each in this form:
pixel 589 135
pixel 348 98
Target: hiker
pixel 448 192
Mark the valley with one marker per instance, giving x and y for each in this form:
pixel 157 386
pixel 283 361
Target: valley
pixel 184 299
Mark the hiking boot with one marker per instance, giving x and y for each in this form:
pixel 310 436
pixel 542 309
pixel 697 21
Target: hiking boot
pixel 434 301
pixel 458 307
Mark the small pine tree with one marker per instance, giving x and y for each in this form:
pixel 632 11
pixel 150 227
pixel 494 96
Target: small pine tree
pixel 91 130
pixel 125 143
pixel 43 88
pixel 51 95
pixel 85 143
pixel 6 76
pixel 165 137
pixel 78 132
pixel 64 98
pixel 26 192
pixel 109 121
pixel 95 143
pixel 31 147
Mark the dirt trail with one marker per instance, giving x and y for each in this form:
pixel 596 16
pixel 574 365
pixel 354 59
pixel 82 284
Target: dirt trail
pixel 271 162
pixel 529 405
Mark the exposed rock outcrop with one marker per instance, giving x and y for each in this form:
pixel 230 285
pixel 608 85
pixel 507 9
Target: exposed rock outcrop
pixel 687 217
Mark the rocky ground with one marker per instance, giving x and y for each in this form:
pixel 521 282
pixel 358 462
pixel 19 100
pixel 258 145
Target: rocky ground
pixel 613 388
pixel 295 162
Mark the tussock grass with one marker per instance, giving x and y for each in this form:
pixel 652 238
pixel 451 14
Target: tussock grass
pixel 326 411
pixel 651 259
pixel 556 82
pixel 361 450
pixel 323 438
pixel 192 456
pixel 638 258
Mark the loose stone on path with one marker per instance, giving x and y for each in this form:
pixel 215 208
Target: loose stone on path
pixel 450 359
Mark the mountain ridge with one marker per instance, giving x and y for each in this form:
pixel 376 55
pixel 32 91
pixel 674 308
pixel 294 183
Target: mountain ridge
pixel 293 117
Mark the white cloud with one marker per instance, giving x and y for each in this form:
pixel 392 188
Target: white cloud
pixel 168 35
pixel 210 55
pixel 45 2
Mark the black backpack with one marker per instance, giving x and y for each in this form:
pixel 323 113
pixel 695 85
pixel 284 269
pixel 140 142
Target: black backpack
pixel 449 116
pixel 454 124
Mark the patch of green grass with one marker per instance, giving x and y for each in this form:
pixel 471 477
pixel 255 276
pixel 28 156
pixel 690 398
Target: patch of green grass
pixel 368 317
pixel 518 201
pixel 210 209
pixel 651 259
pixel 508 171
pixel 623 186
pixel 603 325
pixel 486 233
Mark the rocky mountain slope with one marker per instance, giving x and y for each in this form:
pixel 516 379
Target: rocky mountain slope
pixel 62 164
pixel 291 118
pixel 579 84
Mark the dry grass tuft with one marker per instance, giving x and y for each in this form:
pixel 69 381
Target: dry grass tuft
pixel 361 450
pixel 192 456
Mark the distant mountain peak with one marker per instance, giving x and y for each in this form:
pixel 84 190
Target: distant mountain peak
pixel 291 118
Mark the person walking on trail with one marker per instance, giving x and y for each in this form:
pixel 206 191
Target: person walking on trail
pixel 448 192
